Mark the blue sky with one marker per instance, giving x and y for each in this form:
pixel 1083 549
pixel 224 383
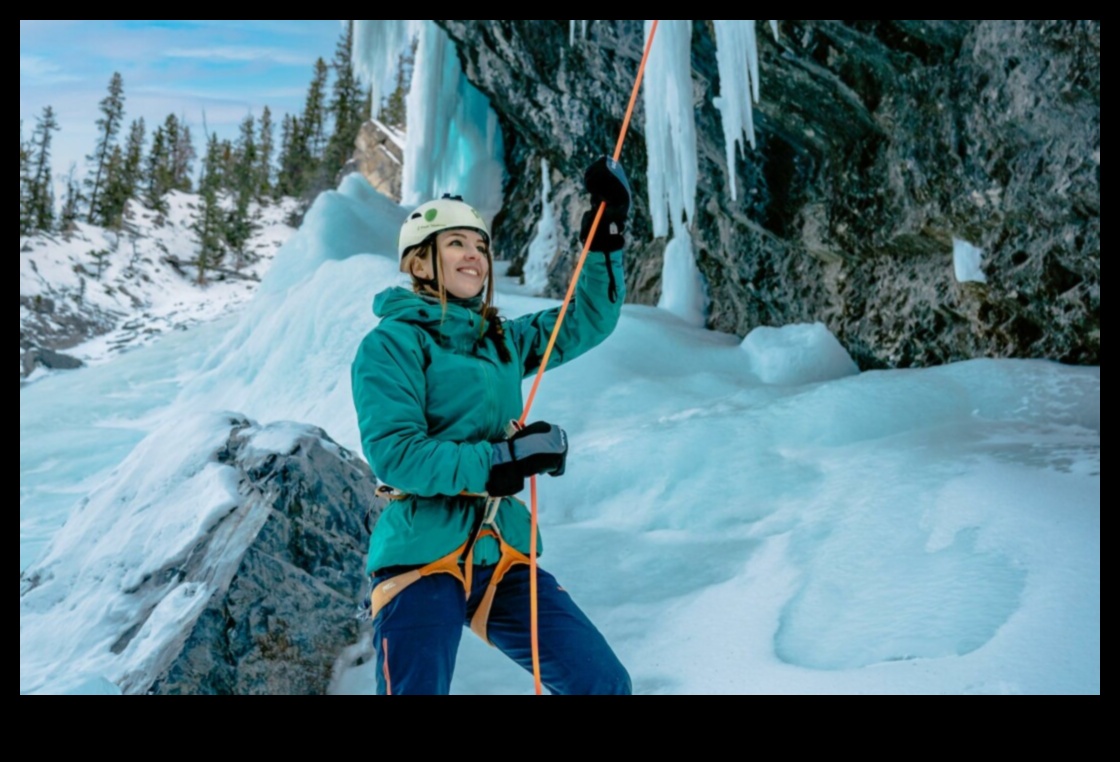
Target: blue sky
pixel 223 69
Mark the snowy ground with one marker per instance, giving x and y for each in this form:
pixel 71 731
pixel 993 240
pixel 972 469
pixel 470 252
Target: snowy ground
pixel 737 516
pixel 125 281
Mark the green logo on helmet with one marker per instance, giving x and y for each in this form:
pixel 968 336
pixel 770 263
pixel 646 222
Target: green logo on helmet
pixel 430 215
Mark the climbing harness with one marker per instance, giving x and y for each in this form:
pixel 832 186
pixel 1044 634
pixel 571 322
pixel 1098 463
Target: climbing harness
pixel 459 563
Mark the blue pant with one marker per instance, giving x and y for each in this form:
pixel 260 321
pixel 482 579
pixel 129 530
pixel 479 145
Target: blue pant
pixel 417 634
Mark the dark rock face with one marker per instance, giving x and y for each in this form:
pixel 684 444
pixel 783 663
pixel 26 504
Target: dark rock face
pixel 289 611
pixel 879 143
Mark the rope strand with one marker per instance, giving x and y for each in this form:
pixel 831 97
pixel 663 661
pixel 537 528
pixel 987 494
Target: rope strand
pixel 533 629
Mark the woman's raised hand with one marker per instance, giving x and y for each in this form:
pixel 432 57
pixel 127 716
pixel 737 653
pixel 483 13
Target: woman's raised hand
pixel 606 181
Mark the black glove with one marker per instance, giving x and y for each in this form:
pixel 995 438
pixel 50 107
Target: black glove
pixel 539 448
pixel 606 181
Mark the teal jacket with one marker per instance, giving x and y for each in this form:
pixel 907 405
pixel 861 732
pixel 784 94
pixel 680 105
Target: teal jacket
pixel 432 395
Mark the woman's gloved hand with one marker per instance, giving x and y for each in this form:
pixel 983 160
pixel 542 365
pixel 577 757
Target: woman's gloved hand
pixel 606 181
pixel 539 448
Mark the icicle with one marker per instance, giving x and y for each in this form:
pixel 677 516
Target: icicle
pixel 542 249
pixel 572 31
pixel 454 144
pixel 671 149
pixel 682 284
pixel 737 57
pixel 378 47
pixel 670 127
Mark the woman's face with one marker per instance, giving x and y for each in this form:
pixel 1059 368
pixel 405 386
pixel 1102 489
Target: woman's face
pixel 464 261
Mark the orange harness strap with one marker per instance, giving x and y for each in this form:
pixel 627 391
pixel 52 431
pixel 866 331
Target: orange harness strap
pixel 510 557
pixel 390 588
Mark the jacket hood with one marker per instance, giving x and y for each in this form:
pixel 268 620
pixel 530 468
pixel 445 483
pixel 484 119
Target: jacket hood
pixel 460 323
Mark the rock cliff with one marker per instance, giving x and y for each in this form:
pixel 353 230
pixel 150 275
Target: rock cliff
pixel 879 143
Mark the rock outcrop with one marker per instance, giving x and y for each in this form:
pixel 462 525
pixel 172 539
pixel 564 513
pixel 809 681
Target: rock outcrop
pixel 289 611
pixel 879 143
pixel 222 557
pixel 379 156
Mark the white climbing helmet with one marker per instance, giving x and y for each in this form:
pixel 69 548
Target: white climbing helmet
pixel 446 213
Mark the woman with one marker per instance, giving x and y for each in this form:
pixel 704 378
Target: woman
pixel 436 385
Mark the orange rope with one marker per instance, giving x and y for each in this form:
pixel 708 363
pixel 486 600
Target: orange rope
pixel 548 353
pixel 533 589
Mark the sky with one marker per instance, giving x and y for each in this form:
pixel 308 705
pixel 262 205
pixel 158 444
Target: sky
pixel 738 515
pixel 217 71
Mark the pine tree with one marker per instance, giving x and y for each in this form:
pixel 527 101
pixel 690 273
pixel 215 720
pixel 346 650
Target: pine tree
pixel 346 107
pixel 208 226
pixel 115 195
pixel 41 192
pixel 158 172
pixel 24 155
pixel 265 148
pixel 24 184
pixel 315 113
pixel 71 202
pixel 112 113
pixel 133 171
pixel 180 153
pixel 293 152
pixel 241 180
pixel 123 177
pixel 183 155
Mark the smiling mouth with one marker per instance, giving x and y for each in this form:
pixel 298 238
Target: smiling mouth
pixel 470 271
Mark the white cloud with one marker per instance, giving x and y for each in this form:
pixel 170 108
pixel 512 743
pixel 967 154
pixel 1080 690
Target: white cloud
pixel 238 53
pixel 43 70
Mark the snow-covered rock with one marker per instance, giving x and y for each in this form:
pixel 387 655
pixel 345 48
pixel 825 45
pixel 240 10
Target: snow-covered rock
pixel 221 557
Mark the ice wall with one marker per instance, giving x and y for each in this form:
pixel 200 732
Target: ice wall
pixel 378 46
pixel 453 144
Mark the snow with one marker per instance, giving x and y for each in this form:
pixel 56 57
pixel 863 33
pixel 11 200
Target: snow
pixel 115 565
pixel 543 247
pixel 797 354
pixel 966 262
pixel 394 135
pixel 135 289
pixel 737 516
